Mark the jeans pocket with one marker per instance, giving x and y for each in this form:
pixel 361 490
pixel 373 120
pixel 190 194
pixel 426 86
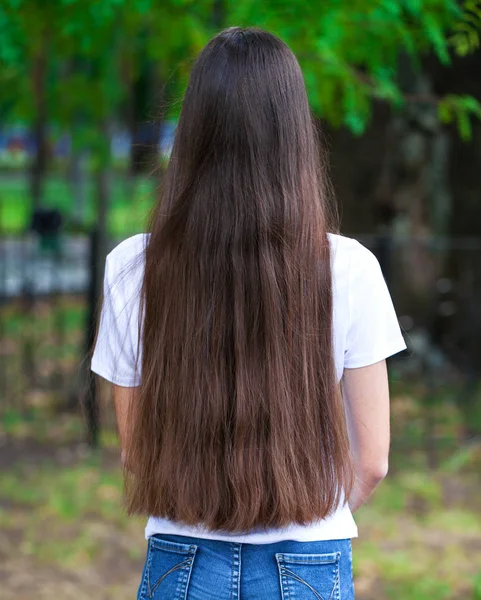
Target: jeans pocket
pixel 167 570
pixel 309 576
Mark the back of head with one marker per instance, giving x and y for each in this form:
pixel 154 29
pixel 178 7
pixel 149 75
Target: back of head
pixel 239 424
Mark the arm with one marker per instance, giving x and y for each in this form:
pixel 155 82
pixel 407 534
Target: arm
pixel 123 399
pixel 366 398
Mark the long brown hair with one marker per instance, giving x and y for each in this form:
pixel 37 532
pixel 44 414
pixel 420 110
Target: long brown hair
pixel 239 423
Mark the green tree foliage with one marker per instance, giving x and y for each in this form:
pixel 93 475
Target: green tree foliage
pixel 351 53
pixel 92 50
pixel 465 38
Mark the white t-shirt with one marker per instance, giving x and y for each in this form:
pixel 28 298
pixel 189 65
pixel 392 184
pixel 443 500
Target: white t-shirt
pixel 365 331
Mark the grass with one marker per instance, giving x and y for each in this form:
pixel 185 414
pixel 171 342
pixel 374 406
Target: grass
pixel 65 525
pixel 434 556
pixel 42 347
pixel 67 313
pixel 61 513
pixel 130 204
pixel 85 488
pixel 42 424
pixel 424 544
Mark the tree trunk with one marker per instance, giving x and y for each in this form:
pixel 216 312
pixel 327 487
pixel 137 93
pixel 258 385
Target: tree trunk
pixel 145 115
pixel 98 252
pixel 102 192
pixel 131 122
pixel 77 185
pixel 39 129
pixel 412 198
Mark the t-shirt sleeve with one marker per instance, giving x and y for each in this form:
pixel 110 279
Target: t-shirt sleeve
pixel 373 333
pixel 115 353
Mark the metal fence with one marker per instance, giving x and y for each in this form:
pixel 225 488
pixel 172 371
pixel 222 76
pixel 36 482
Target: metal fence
pixel 47 306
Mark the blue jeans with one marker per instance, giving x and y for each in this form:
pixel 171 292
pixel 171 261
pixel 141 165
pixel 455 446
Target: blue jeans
pixel 188 568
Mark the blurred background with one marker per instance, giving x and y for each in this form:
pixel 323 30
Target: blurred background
pixel 90 91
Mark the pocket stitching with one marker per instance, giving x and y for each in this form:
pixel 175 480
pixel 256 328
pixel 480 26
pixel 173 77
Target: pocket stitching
pixel 285 572
pixel 175 547
pixel 310 559
pixel 186 577
pixel 188 572
pixel 144 590
pixel 185 565
pixel 298 578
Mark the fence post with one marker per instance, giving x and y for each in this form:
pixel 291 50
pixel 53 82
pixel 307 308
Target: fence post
pixel 92 411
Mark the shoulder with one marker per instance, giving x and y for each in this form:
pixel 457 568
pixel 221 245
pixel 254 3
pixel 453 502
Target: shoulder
pixel 350 255
pixel 342 246
pixel 125 263
pixel 129 249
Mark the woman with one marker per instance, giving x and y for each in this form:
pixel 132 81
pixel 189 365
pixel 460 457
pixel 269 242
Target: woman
pixel 227 332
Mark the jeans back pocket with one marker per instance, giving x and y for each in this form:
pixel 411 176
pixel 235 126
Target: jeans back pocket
pixel 309 576
pixel 167 570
